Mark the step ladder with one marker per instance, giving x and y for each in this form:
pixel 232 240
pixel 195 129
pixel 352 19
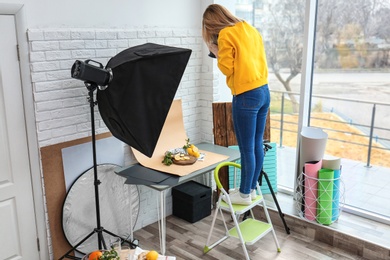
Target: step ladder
pixel 248 231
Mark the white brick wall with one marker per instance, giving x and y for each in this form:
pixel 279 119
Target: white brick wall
pixel 61 107
pixel 61 101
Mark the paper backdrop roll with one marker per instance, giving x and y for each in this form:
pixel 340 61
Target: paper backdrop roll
pixel 313 144
pixel 325 196
pixel 173 135
pixel 311 187
pixel 335 165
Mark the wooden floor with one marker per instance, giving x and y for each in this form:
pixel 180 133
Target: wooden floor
pixel 186 241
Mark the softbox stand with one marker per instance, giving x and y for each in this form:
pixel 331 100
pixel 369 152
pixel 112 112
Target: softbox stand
pixel 99 229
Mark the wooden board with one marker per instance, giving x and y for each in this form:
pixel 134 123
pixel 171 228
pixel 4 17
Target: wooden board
pixel 192 160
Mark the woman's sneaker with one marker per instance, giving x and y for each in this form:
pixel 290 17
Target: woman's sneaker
pixel 254 194
pixel 235 198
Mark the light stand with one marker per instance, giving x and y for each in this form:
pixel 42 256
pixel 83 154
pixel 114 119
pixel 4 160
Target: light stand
pixel 155 61
pixel 99 229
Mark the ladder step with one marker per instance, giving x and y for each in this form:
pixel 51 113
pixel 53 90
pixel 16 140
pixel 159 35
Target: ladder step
pixel 252 230
pixel 241 209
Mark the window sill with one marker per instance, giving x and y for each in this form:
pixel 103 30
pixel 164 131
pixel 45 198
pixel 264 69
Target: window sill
pixel 363 235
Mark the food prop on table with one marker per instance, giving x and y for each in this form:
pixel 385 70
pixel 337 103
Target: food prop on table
pixel 95 255
pixel 191 149
pixel 148 255
pixel 103 255
pixel 110 255
pixel 187 155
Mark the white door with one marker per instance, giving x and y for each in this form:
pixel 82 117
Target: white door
pixel 18 235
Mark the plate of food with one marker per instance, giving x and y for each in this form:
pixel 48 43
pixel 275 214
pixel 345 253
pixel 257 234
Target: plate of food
pixel 186 155
pixel 183 159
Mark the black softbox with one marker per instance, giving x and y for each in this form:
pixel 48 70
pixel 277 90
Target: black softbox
pixel 136 102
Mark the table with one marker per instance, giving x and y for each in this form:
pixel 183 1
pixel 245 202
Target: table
pixel 234 155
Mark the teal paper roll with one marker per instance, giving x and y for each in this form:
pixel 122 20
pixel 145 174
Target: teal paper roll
pixel 325 196
pixel 336 196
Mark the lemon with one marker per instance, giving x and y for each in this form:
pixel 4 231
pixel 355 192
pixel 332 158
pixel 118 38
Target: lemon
pixel 193 150
pixel 152 255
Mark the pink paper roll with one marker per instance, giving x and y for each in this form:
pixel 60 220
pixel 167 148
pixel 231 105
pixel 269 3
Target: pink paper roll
pixel 311 187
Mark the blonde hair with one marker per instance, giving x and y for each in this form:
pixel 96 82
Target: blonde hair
pixel 215 18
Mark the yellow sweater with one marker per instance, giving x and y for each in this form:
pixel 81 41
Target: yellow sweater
pixel 241 57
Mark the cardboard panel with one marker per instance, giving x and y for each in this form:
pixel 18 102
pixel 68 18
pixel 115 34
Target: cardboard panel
pixel 55 191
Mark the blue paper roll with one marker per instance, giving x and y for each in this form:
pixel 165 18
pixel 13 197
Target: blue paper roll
pixel 336 195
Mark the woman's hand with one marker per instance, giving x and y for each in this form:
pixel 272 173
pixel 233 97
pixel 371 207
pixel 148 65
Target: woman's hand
pixel 214 49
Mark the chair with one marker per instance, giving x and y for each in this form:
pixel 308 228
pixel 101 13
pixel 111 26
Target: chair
pixel 248 231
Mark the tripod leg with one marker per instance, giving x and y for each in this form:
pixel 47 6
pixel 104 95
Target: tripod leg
pixel 263 173
pixel 101 239
pixel 133 244
pixel 74 248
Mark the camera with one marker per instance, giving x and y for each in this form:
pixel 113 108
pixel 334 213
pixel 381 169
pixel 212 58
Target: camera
pixel 91 73
pixel 212 55
pixel 215 41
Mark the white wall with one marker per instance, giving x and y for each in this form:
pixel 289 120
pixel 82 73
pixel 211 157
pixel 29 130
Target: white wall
pixel 61 110
pixel 111 14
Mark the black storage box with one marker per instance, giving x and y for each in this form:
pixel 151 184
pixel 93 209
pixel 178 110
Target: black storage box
pixel 191 201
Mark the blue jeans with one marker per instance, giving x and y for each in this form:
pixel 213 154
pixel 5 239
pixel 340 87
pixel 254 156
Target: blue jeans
pixel 250 111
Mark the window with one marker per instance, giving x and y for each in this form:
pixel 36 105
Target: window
pixel 283 32
pixel 349 94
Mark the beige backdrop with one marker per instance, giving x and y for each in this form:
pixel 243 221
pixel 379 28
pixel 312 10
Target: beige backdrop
pixel 173 135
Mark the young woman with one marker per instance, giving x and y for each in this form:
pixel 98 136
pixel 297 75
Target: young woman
pixel 240 53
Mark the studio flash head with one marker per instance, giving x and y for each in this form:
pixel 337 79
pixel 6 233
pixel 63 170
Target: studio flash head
pixel 91 73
